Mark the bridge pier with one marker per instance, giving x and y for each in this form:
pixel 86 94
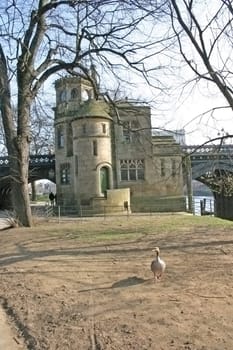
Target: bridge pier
pixel 188 182
pixel 211 164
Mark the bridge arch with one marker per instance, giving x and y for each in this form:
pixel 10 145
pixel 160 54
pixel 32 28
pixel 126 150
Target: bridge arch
pixel 205 168
pixel 40 167
pixel 210 161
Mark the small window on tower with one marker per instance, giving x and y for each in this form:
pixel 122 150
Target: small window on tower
pixel 162 167
pixel 84 129
pixel 74 93
pixel 76 164
pixel 60 138
pixel 104 129
pixel 173 167
pixel 95 150
pixel 69 140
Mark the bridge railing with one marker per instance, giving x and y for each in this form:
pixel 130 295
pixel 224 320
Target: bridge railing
pixel 41 160
pixel 34 160
pixel 4 161
pixel 195 149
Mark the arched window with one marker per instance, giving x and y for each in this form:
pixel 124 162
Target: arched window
pixel 74 94
pixel 104 180
pixel 62 96
pixel 85 95
pixel 132 170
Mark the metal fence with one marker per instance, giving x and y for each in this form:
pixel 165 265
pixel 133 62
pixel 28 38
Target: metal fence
pixel 203 206
pixel 50 211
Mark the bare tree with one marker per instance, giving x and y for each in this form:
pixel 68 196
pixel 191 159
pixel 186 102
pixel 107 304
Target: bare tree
pixel 41 38
pixel 203 30
pixel 42 129
pixel 204 35
pixel 42 133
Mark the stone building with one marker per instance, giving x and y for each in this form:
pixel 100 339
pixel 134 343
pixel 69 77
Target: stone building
pixel 107 158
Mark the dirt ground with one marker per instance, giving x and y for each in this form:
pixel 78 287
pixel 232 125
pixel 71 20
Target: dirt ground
pixel 65 290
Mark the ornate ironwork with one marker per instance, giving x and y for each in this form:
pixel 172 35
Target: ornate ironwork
pixel 206 149
pixel 34 161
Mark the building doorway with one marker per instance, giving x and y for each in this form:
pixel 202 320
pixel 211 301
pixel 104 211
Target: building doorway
pixel 104 180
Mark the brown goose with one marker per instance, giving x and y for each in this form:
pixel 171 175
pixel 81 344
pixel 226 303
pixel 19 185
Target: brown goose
pixel 157 265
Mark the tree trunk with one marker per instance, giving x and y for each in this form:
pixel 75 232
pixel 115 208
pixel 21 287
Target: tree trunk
pixel 18 148
pixel 33 186
pixel 19 161
pixel 21 203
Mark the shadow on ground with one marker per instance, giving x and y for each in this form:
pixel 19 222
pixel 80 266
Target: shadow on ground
pixel 130 281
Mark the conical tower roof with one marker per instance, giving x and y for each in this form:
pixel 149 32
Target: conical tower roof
pixel 93 109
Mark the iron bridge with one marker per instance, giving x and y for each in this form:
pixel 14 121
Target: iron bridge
pixel 207 159
pixel 40 167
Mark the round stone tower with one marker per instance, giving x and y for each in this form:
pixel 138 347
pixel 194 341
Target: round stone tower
pixel 92 149
pixel 83 143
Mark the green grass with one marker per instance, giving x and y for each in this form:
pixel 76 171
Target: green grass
pixel 123 228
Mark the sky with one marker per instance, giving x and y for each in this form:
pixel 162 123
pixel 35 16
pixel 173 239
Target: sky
pixel 195 116
pixel 189 109
pixel 175 110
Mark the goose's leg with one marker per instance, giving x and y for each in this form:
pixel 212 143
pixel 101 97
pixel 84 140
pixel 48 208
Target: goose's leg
pixel 160 276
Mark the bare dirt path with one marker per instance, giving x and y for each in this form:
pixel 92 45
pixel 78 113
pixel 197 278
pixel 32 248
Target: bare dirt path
pixel 9 339
pixel 64 289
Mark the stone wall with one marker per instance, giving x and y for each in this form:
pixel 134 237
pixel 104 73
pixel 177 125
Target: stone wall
pixel 158 204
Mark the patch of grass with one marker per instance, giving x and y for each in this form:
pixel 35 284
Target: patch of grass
pixel 113 236
pixel 123 228
pixel 105 235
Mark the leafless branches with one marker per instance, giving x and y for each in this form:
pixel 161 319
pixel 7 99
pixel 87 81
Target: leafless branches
pixel 207 28
pixel 41 38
